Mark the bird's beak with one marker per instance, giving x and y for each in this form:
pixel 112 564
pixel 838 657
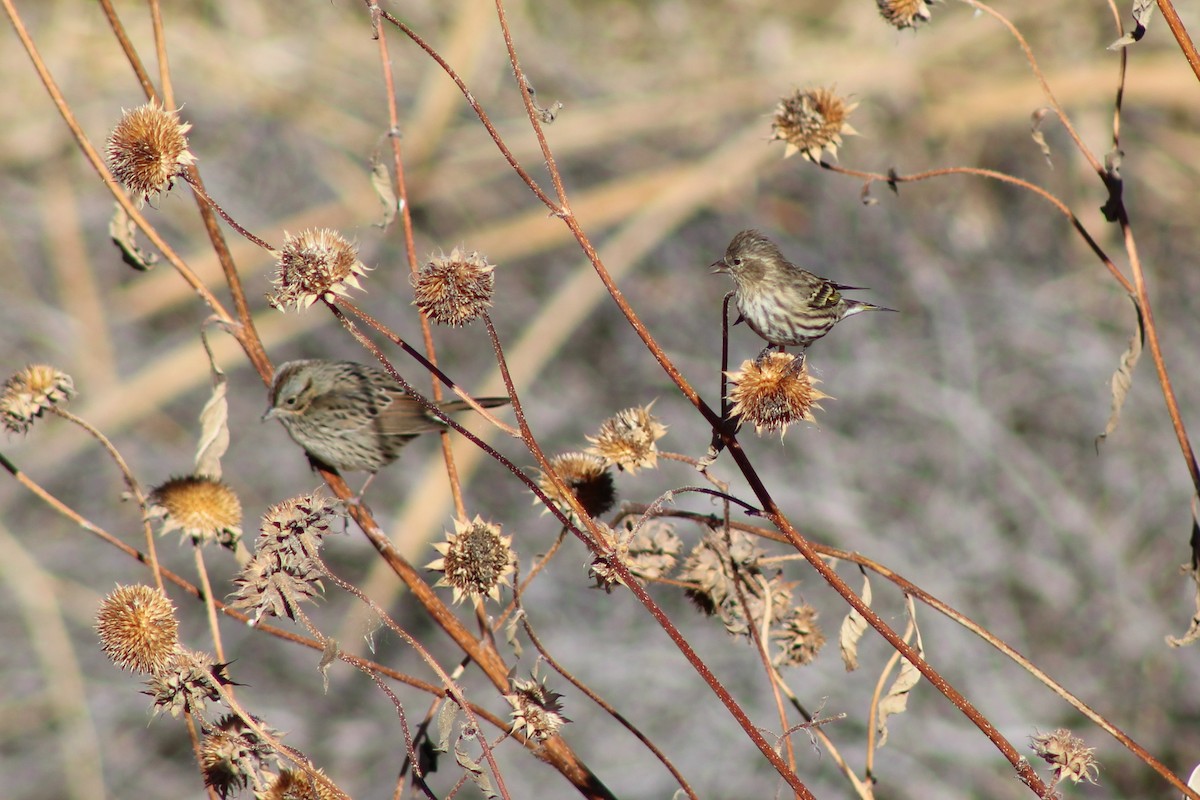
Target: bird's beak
pixel 268 414
pixel 718 266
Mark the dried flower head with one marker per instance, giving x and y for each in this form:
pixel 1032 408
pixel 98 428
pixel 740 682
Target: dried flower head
pixel 198 506
pixel 232 755
pixel 800 638
pixel 711 565
pixel 189 682
pixel 285 569
pixel 298 785
pixel 454 289
pixel 29 392
pixel 902 14
pixel 316 262
pixel 476 560
pixel 536 708
pixel 147 150
pixel 812 121
pixel 138 628
pixel 587 477
pixel 627 439
pixel 648 551
pixel 1067 755
pixel 772 393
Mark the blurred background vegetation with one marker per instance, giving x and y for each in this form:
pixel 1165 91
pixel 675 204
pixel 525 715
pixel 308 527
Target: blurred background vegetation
pixel 959 450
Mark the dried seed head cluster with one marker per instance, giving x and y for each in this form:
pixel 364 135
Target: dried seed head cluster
pixel 198 506
pixel 537 711
pixel 649 552
pixel 762 602
pixel 187 684
pixel 454 289
pixel 285 568
pixel 232 755
pixel 772 393
pixel 30 392
pixel 587 477
pixel 904 13
pixel 138 629
pixel 148 149
pixel 1067 755
pixel 812 121
pixel 299 785
pixel 627 439
pixel 312 264
pixel 476 560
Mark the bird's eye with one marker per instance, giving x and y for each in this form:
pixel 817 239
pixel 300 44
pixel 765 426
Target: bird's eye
pixel 291 401
pixel 737 262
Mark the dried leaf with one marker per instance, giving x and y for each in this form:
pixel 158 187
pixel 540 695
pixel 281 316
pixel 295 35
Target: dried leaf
pixel 381 182
pixel 214 428
pixel 510 632
pixel 473 767
pixel 1122 379
pixel 328 656
pixel 1192 570
pixel 1142 11
pixel 445 724
pixel 896 699
pixel 124 236
pixel 853 627
pixel 1039 138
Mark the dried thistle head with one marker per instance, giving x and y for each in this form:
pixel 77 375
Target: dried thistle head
pixel 187 683
pixel 1067 755
pixel 902 14
pixel 711 565
pixel 232 755
pixel 315 262
pixel 454 289
pixel 138 629
pixel 536 708
pixel 588 479
pixel 800 638
pixel 812 121
pixel 198 506
pixel 30 392
pixel 772 393
pixel 295 527
pixel 627 439
pixel 648 551
pixel 148 149
pixel 476 560
pixel 291 784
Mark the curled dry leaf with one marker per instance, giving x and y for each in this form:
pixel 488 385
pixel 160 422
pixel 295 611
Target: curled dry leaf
pixel 896 699
pixel 853 627
pixel 1122 379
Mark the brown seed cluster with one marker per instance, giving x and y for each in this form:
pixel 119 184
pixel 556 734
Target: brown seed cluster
pixel 772 393
pixel 148 149
pixel 286 569
pixel 455 289
pixel 199 507
pixel 232 755
pixel 537 711
pixel 30 392
pixel 188 684
pixel 812 121
pixel 313 263
pixel 904 13
pixel 138 629
pixel 476 560
pixel 588 479
pixel 648 551
pixel 1067 755
pixel 298 785
pixel 627 439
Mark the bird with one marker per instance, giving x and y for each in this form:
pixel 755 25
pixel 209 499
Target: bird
pixel 783 303
pixel 352 416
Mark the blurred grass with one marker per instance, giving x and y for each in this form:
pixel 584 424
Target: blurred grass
pixel 959 448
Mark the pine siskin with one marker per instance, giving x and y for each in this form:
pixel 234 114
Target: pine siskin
pixel 781 302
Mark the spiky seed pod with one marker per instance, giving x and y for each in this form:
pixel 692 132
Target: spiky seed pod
pixel 1067 755
pixel 902 14
pixel 298 785
pixel 138 629
pixel 588 479
pixel 30 392
pixel 537 711
pixel 627 439
pixel 476 560
pixel 812 121
pixel 200 507
pixel 648 552
pixel 772 393
pixel 313 263
pixel 800 638
pixel 148 149
pixel 232 755
pixel 455 289
pixel 187 684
